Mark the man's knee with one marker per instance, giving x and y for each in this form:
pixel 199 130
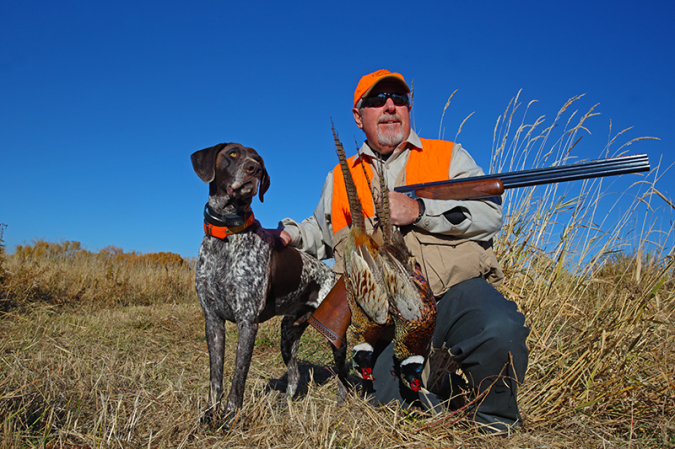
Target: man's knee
pixel 481 327
pixel 507 331
pixel 506 341
pixel 474 307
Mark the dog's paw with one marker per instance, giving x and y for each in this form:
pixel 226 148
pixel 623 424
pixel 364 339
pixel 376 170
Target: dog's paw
pixel 219 420
pixel 341 393
pixel 208 416
pixel 228 421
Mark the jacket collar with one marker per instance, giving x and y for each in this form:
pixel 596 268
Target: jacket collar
pixel 412 142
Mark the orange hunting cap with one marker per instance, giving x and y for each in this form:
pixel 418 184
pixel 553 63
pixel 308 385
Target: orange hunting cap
pixel 369 81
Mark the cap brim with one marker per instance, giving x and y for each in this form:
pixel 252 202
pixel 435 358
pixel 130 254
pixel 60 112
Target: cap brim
pixel 386 77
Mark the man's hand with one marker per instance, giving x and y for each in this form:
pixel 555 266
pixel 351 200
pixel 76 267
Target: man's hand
pixel 281 235
pixel 404 210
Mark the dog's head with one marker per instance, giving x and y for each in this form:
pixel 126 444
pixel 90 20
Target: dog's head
pixel 233 169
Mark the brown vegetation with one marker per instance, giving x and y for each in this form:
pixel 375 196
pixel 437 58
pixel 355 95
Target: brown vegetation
pixel 65 273
pixel 107 349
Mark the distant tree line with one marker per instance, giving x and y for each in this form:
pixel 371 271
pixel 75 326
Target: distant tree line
pixel 71 250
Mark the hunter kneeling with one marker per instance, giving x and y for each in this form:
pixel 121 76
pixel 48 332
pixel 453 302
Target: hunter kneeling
pixel 452 242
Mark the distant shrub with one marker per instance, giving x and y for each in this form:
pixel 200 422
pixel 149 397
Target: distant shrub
pixel 64 272
pixel 161 259
pixel 69 250
pixel 51 251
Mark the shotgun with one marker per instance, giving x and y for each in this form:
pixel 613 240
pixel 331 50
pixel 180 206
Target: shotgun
pixel 332 317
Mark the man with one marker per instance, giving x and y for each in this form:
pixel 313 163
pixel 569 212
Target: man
pixel 452 240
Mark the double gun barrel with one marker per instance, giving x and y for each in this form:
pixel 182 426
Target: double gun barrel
pixel 490 185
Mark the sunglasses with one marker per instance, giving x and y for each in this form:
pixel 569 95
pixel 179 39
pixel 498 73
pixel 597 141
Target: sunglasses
pixel 379 100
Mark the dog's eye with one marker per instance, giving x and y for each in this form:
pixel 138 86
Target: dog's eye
pixel 233 154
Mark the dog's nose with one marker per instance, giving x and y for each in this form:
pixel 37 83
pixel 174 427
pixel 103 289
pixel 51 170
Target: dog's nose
pixel 252 168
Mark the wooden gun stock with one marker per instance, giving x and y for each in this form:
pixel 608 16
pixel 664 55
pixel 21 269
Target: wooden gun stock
pixel 332 317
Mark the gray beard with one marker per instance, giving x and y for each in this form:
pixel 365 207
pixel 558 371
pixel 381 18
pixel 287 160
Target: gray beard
pixel 389 139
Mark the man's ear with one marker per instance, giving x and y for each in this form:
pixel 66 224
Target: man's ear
pixel 357 117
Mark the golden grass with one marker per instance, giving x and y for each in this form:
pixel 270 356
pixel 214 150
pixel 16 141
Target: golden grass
pixel 64 273
pixel 600 304
pixel 97 351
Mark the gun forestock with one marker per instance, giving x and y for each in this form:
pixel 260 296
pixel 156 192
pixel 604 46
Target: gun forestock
pixel 461 189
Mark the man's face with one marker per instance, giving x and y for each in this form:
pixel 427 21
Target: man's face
pixel 385 126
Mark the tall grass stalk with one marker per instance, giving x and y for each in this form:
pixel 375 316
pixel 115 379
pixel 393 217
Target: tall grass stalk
pixel 592 271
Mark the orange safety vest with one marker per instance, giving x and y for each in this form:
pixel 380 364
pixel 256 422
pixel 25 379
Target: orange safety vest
pixel 428 164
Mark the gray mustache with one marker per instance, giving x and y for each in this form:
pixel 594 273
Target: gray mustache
pixel 388 117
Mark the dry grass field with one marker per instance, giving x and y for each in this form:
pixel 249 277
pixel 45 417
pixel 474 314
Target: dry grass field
pixel 107 349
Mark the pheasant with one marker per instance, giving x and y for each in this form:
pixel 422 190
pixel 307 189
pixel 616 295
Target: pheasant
pixel 385 287
pixel 366 292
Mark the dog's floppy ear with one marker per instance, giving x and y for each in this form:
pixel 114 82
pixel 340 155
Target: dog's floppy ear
pixel 264 182
pixel 204 162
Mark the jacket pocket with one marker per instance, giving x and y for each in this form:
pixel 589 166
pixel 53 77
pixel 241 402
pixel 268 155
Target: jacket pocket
pixel 447 260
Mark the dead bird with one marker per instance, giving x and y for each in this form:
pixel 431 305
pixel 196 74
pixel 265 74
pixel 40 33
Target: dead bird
pixel 385 287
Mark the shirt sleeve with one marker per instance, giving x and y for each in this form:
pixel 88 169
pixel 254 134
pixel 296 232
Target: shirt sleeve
pixel 314 235
pixel 483 217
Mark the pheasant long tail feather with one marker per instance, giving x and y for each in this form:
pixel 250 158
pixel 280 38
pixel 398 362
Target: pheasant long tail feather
pixel 355 208
pixel 378 208
pixel 383 210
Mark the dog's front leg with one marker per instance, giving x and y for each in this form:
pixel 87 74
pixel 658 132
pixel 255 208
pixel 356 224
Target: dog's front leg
pixel 247 334
pixel 215 341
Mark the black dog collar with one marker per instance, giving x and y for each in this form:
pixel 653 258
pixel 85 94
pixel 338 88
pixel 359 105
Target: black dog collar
pixel 220 226
pixel 229 220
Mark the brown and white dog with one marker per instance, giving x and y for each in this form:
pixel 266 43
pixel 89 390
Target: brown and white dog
pixel 246 276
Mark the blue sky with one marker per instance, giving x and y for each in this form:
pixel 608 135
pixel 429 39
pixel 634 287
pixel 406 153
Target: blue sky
pixel 102 103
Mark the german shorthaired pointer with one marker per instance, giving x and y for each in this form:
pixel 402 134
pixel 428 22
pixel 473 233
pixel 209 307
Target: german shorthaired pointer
pixel 245 275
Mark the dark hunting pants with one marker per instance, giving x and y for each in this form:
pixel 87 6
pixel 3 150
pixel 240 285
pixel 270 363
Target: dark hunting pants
pixel 481 329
